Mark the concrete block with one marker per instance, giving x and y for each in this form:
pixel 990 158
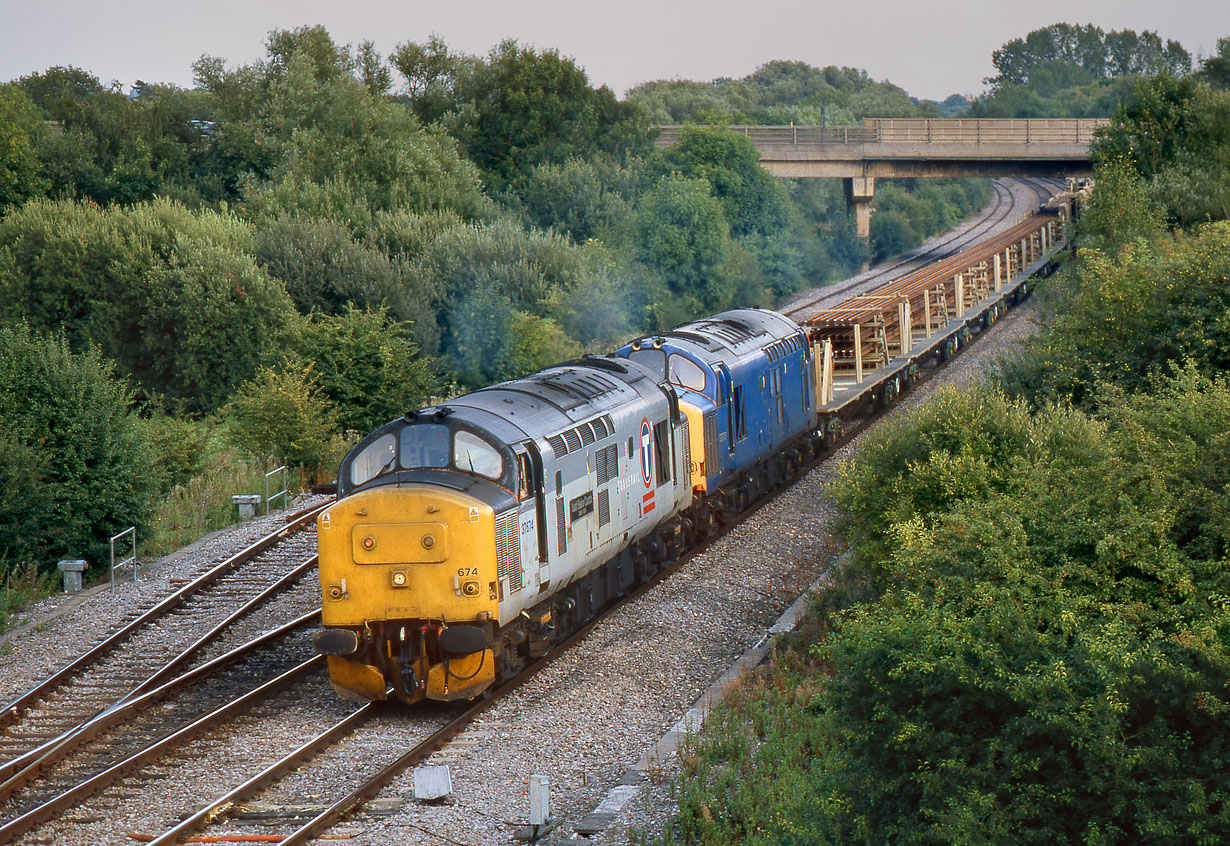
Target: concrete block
pixel 72 570
pixel 432 783
pixel 247 504
pixel 540 799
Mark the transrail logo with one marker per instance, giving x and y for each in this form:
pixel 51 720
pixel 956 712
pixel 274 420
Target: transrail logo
pixel 647 502
pixel 646 452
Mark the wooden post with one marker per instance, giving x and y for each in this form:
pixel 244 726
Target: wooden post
pixel 828 371
pixel 996 269
pixel 858 353
pixel 927 310
pixel 904 318
pixel 959 292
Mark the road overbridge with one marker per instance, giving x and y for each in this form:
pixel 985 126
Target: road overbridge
pixel 884 148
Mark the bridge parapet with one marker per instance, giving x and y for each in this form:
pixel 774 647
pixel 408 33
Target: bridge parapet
pixel 912 131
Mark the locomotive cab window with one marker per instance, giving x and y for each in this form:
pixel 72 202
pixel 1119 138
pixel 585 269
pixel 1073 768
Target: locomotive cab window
pixel 686 373
pixel 472 454
pixel 376 457
pixel 424 445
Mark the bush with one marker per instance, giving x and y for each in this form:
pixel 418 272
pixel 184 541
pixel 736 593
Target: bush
pixel 366 365
pixel 77 467
pixel 281 414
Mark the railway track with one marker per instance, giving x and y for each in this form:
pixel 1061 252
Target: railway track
pixel 364 734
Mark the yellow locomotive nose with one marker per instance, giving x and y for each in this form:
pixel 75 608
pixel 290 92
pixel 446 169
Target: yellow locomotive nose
pixel 398 567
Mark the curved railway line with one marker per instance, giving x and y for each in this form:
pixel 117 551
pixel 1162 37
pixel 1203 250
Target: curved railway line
pixel 1004 208
pixel 117 721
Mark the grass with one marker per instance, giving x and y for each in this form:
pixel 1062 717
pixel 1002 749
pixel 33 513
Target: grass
pixel 748 775
pixel 22 587
pixel 203 504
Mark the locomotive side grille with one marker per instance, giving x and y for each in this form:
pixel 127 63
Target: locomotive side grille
pixel 561 525
pixel 600 428
pixel 557 444
pixel 587 434
pixel 606 463
pixel 604 507
pixel 686 472
pixel 574 441
pixel 508 550
pixel 712 462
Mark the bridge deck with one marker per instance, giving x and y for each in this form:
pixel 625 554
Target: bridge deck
pixel 888 147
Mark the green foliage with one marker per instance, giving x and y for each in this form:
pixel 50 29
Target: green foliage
pixel 178 448
pixel 1121 210
pixel 582 199
pixel 19 167
pixel 1089 51
pixel 312 135
pixel 776 93
pixel 324 269
pixel 1120 319
pixel 153 285
pixel 113 148
pixel 366 365
pixel 682 235
pixel 1044 660
pixel 202 503
pixel 907 212
pixel 960 444
pixel 493 341
pixel 283 415
pixel 75 466
pixel 520 108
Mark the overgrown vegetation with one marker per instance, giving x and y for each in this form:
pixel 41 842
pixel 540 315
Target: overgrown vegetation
pixel 299 249
pixel 1029 642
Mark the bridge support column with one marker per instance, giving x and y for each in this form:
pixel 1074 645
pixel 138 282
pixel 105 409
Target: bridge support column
pixel 860 190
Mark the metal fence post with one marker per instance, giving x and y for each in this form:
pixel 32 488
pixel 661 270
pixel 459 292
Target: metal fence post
pixel 131 559
pixel 282 493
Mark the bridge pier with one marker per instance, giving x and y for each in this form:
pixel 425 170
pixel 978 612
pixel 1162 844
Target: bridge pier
pixel 860 191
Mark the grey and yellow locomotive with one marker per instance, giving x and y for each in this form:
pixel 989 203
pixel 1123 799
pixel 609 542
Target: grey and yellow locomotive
pixel 471 536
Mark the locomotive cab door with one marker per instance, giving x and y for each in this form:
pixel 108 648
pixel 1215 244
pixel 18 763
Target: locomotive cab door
pixel 533 513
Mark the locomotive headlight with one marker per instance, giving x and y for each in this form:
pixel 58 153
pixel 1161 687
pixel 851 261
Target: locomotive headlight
pixel 428 541
pixel 369 543
pixel 399 578
pixel 470 588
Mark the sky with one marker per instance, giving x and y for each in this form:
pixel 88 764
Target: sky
pixel 932 48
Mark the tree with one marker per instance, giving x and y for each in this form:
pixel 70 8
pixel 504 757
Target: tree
pixel 522 107
pixel 1215 70
pixel 682 234
pixel 153 285
pixel 74 449
pixel 314 138
pixel 19 167
pixel 366 365
pixel 281 414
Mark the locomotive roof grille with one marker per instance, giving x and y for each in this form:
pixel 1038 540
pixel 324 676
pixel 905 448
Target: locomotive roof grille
pixel 571 440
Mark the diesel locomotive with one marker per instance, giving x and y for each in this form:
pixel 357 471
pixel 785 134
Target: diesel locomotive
pixel 470 537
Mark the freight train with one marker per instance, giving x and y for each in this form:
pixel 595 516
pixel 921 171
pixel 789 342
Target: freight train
pixel 470 537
